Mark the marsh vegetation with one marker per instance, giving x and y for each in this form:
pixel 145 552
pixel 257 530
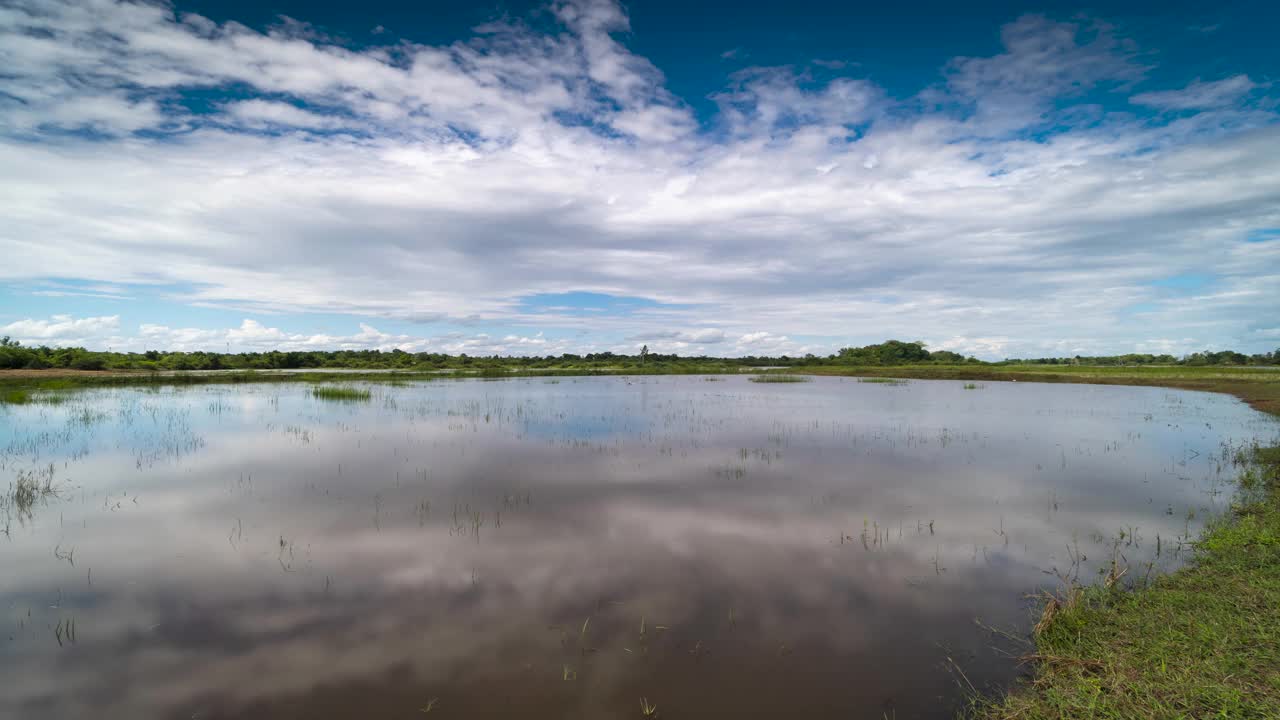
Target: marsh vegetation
pixel 341 393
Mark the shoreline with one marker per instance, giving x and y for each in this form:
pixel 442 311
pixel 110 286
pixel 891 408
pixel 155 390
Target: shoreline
pixel 1259 388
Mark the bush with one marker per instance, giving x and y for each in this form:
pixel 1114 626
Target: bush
pixel 88 362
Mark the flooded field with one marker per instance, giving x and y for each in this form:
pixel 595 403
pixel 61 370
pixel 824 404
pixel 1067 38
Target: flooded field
pixel 675 547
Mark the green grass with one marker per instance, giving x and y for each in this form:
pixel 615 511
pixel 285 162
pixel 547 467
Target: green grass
pixel 15 397
pixel 883 380
pixel 29 489
pixel 1259 388
pixel 1202 642
pixel 341 393
pixel 778 379
pixel 21 396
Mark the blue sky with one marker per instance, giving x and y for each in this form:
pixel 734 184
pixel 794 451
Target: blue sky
pixel 996 178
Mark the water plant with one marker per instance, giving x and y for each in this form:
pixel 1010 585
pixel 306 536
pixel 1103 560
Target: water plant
pixel 779 379
pixel 341 393
pixel 28 489
pixel 15 397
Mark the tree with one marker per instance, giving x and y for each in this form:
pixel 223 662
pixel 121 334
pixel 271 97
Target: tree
pixel 644 353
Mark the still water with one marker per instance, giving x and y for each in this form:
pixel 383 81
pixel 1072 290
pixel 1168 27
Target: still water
pixel 563 548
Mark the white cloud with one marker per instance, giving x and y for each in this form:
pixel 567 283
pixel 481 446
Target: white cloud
pixel 264 113
pixel 253 336
pixel 447 182
pixel 1199 95
pixel 60 327
pixel 988 347
pixel 705 336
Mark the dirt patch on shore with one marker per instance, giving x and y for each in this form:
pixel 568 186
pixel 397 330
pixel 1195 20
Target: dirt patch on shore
pixel 65 372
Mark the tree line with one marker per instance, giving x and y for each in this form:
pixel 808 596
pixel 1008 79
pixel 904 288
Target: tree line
pixel 893 352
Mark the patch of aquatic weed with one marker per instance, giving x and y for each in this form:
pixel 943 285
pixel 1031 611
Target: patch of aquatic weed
pixel 883 381
pixel 86 416
pixel 15 397
pixel 1203 641
pixel 29 489
pixel 779 379
pixel 19 396
pixel 341 393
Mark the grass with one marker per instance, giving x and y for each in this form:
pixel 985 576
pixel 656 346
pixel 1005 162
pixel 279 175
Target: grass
pixel 1260 388
pixel 341 393
pixel 1198 643
pixel 778 379
pixel 15 397
pixel 883 380
pixel 28 490
pixel 21 396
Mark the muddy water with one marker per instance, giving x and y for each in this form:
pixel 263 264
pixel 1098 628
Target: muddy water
pixel 564 548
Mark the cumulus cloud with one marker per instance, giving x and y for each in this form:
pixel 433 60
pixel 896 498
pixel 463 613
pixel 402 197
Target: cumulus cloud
pixel 252 336
pixel 707 336
pixel 446 183
pixel 60 327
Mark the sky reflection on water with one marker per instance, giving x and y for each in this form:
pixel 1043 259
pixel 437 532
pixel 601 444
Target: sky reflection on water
pixel 789 550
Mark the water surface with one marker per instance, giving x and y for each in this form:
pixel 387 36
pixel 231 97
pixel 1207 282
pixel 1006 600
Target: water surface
pixel 562 548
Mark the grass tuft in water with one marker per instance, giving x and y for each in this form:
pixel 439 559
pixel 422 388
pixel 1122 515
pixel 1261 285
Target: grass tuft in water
pixel 15 397
pixel 778 379
pixel 20 396
pixel 341 393
pixel 29 489
pixel 883 381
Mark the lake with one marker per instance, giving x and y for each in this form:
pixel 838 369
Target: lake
pixel 576 547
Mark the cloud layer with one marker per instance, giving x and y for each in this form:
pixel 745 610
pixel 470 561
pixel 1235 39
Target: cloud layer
pixel 1029 202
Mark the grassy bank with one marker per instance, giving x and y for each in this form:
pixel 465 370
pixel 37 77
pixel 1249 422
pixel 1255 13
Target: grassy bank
pixel 21 383
pixel 1203 642
pixel 1258 387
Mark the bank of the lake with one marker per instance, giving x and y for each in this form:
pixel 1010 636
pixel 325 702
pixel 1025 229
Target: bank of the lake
pixel 1201 642
pixel 1257 386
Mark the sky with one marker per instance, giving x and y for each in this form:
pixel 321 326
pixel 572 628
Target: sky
pixel 716 178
